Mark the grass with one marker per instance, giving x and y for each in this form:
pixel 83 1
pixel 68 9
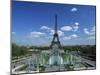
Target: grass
pixel 69 67
pixel 65 57
pixel 42 68
pixel 46 57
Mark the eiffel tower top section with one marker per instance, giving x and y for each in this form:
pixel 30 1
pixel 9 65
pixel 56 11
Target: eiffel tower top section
pixel 56 24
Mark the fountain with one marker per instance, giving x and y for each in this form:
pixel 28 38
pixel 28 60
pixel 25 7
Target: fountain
pixel 55 59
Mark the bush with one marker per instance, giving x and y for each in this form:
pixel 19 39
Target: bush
pixel 42 68
pixel 18 50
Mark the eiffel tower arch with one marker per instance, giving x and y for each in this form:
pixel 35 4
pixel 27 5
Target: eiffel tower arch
pixel 55 40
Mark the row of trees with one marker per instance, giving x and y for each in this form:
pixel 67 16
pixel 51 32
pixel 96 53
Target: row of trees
pixel 18 50
pixel 86 50
pixel 40 48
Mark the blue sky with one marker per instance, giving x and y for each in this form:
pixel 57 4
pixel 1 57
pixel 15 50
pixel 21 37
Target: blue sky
pixel 33 23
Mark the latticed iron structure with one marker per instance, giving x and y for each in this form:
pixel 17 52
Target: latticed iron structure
pixel 55 40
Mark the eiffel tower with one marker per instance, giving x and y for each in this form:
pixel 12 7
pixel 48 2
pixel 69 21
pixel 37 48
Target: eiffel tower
pixel 55 40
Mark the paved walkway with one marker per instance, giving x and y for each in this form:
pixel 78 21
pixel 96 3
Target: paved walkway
pixel 17 68
pixel 93 63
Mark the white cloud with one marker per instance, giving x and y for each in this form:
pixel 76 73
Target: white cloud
pixel 86 31
pixel 76 23
pixel 48 29
pixel 36 34
pixel 51 31
pixel 66 38
pixel 70 37
pixel 75 26
pixel 66 28
pixel 45 27
pixel 74 9
pixel 60 33
pixel 74 36
pixel 13 33
pixel 89 32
